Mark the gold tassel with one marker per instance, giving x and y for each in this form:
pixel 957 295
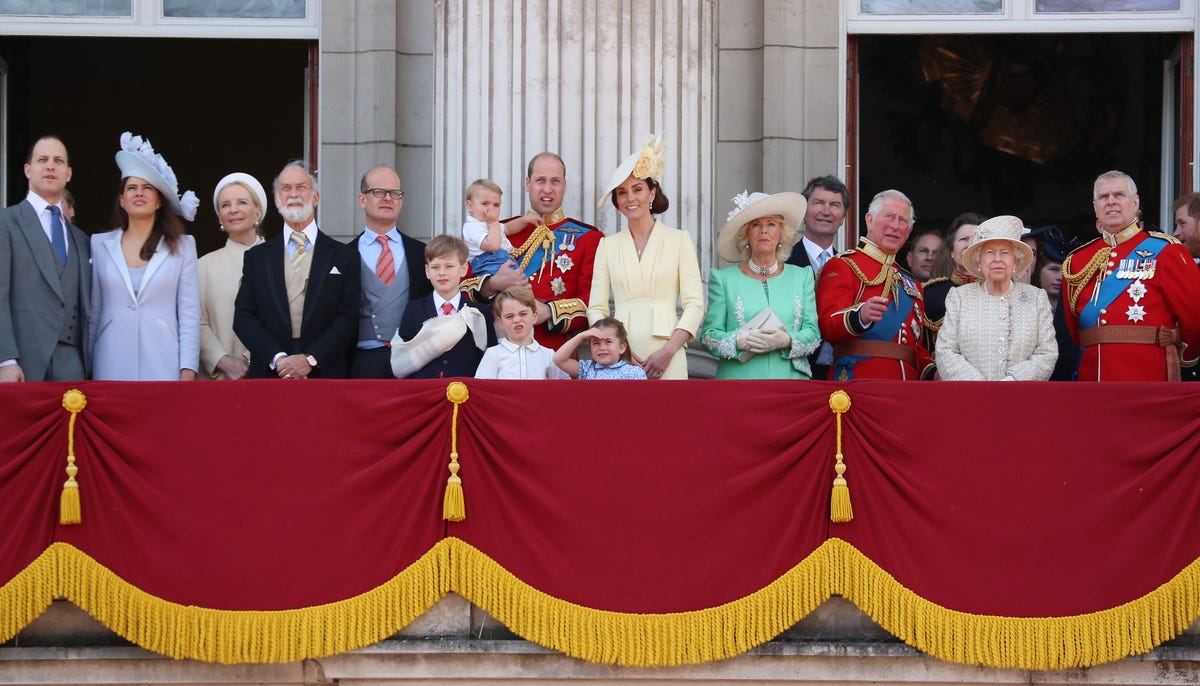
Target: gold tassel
pixel 454 505
pixel 70 511
pixel 840 510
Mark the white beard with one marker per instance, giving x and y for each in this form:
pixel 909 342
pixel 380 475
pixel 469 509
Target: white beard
pixel 296 214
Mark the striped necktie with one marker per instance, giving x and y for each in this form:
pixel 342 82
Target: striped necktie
pixel 300 250
pixel 385 268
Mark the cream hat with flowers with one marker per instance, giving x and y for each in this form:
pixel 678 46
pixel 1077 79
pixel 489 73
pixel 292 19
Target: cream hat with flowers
pixel 649 162
pixel 750 206
pixel 137 158
pixel 1003 228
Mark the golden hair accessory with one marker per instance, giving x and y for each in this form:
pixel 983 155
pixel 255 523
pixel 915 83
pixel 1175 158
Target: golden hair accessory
pixel 840 510
pixel 69 511
pixel 651 160
pixel 454 506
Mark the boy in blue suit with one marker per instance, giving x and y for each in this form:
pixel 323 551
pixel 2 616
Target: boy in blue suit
pixel 444 325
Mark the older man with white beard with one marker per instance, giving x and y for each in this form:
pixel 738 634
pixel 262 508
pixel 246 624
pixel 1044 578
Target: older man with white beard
pixel 297 308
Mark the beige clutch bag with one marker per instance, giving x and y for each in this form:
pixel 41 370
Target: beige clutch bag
pixel 767 319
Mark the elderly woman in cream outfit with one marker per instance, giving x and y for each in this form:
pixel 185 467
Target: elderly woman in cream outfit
pixel 649 269
pixel 997 329
pixel 241 203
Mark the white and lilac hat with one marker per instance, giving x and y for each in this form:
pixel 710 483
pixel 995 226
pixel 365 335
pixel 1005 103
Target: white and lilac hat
pixel 137 158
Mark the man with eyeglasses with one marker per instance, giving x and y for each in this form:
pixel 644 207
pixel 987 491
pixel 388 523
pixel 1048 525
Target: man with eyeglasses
pixel 393 273
pixel 297 307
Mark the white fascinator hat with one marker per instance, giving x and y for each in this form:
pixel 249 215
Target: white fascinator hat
pixel 137 158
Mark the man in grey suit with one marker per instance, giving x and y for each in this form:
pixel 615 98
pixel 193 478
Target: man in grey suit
pixel 45 276
pixel 393 273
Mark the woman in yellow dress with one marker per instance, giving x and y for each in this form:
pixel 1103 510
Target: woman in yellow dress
pixel 648 269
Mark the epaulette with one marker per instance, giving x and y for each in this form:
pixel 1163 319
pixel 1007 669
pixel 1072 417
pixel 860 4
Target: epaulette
pixel 1166 237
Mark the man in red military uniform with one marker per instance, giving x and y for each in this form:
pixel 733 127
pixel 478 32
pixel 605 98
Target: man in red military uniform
pixel 554 256
pixel 871 310
pixel 1130 296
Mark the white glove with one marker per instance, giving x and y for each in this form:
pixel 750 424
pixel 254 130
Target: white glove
pixel 776 339
pixel 752 341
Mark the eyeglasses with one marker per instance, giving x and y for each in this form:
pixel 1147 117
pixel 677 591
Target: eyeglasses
pixel 382 193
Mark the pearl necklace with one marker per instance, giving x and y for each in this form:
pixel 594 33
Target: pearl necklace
pixel 763 271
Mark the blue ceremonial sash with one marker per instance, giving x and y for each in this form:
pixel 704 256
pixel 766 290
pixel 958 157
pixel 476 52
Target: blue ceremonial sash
pixel 886 330
pixel 1113 286
pixel 565 234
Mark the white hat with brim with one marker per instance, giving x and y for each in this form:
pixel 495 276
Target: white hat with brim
pixel 1005 228
pixel 137 158
pixel 250 181
pixel 751 206
pixel 649 162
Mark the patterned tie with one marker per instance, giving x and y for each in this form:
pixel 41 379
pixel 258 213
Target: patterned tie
pixel 57 239
pixel 385 268
pixel 822 258
pixel 447 309
pixel 301 248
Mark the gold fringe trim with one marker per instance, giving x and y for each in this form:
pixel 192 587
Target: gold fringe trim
pixel 224 636
pixel 28 594
pixel 648 640
pixel 645 640
pixel 1040 643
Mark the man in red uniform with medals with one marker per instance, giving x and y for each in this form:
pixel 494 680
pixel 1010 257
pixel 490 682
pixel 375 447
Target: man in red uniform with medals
pixel 871 310
pixel 554 256
pixel 1130 296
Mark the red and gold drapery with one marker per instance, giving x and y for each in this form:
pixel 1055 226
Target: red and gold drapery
pixel 1029 525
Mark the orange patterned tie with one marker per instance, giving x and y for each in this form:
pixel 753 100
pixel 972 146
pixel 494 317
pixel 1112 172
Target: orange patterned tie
pixel 385 268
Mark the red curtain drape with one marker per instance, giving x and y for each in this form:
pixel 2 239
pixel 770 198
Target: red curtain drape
pixel 1020 500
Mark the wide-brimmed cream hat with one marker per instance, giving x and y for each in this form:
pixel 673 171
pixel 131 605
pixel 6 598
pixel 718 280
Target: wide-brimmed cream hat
pixel 750 206
pixel 1003 228
pixel 649 162
pixel 255 187
pixel 137 158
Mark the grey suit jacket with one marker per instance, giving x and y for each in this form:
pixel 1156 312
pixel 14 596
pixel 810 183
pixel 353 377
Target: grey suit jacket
pixel 32 307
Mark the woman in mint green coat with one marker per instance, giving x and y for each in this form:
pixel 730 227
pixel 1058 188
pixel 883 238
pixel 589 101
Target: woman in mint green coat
pixel 762 313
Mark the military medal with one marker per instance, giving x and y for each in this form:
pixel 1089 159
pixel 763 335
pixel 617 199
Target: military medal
pixel 1136 291
pixel 557 286
pixel 564 262
pixel 1136 313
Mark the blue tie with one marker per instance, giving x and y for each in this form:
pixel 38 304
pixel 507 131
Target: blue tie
pixel 56 234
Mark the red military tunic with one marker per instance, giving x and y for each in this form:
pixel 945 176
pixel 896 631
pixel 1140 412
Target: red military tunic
pixel 1155 283
pixel 858 275
pixel 557 256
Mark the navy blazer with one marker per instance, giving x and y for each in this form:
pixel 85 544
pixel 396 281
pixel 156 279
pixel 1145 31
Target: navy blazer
pixel 329 328
pixel 461 360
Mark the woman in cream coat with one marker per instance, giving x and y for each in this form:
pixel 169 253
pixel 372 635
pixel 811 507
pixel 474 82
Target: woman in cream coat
pixel 144 323
pixel 997 329
pixel 649 269
pixel 241 203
